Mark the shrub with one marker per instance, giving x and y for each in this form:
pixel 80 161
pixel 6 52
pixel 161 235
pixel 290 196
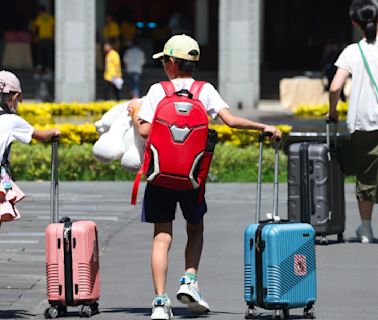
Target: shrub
pixel 76 162
pixel 73 133
pixel 321 110
pixel 47 109
pixel 240 137
pixel 235 164
pixel 44 115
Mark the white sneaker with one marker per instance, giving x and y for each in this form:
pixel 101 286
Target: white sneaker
pixel 190 295
pixel 363 235
pixel 161 309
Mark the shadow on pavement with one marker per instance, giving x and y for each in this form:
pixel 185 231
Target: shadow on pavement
pixel 139 311
pixel 15 314
pixel 348 240
pixel 177 312
pixel 356 240
pixel 266 314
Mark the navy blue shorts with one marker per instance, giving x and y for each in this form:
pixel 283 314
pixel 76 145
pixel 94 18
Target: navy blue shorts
pixel 159 205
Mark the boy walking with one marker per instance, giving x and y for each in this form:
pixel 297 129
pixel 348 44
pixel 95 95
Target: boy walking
pixel 179 58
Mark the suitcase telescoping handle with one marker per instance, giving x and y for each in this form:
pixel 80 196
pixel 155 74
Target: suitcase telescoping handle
pixel 262 137
pixel 328 133
pixel 54 191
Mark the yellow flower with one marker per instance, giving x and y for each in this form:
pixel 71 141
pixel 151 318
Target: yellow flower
pixel 241 137
pixel 72 133
pixel 65 108
pixel 321 110
pixel 43 115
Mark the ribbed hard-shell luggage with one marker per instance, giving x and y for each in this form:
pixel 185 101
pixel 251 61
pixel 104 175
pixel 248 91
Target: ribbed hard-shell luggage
pixel 72 258
pixel 279 260
pixel 316 187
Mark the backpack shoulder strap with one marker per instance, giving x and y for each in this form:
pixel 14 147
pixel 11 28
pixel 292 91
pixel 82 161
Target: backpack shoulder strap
pixel 134 192
pixel 196 88
pixel 168 87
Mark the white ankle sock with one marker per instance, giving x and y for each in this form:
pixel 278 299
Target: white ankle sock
pixel 366 225
pixel 366 229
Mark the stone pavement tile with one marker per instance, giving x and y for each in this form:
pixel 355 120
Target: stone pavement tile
pixel 10 295
pixel 11 282
pixel 13 268
pixel 347 281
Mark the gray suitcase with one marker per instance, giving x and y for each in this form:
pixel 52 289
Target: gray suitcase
pixel 316 187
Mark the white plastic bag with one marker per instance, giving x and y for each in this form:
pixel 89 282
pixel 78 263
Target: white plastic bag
pixel 119 139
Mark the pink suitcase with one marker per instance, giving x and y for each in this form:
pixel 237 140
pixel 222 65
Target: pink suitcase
pixel 72 259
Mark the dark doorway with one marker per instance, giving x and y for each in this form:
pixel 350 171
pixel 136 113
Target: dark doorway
pixel 296 32
pixel 156 21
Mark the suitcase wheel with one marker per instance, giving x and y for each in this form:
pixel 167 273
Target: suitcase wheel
pixel 55 311
pixel 281 314
pixel 323 240
pixel 52 312
pixel 251 312
pixel 340 238
pixel 86 311
pixel 309 312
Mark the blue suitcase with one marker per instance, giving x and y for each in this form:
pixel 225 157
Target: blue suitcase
pixel 279 260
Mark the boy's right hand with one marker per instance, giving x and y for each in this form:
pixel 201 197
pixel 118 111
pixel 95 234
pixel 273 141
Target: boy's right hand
pixel 56 132
pixel 276 133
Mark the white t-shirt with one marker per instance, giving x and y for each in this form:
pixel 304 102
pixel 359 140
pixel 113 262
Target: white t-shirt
pixel 363 101
pixel 13 127
pixel 134 60
pixel 209 97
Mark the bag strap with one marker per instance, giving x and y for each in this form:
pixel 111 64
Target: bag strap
pixel 193 93
pixel 168 87
pixel 367 67
pixel 196 88
pixel 134 192
pixel 5 159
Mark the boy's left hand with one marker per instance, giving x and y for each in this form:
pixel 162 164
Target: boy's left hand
pixel 133 107
pixel 276 133
pixel 56 132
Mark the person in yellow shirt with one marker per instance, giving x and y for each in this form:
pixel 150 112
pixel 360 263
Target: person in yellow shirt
pixel 111 32
pixel 44 32
pixel 112 71
pixel 128 32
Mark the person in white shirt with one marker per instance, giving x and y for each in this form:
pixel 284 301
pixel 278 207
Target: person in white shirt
pixel 134 60
pixel 362 118
pixel 180 56
pixel 13 127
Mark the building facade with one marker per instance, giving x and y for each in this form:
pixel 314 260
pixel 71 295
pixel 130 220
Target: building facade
pixel 244 41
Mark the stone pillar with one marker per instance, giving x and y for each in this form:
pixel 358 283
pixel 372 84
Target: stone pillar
pixel 75 77
pixel 239 52
pixel 201 21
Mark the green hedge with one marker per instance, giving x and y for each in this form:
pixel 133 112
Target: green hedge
pixel 76 162
pixel 235 164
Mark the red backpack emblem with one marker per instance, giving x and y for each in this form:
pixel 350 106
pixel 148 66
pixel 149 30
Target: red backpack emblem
pixel 175 153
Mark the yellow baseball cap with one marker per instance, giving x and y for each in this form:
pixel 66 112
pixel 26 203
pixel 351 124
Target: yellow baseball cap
pixel 180 46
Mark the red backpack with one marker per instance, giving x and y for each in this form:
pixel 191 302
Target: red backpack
pixel 175 154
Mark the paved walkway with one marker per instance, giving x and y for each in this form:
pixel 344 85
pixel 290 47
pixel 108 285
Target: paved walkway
pixel 347 273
